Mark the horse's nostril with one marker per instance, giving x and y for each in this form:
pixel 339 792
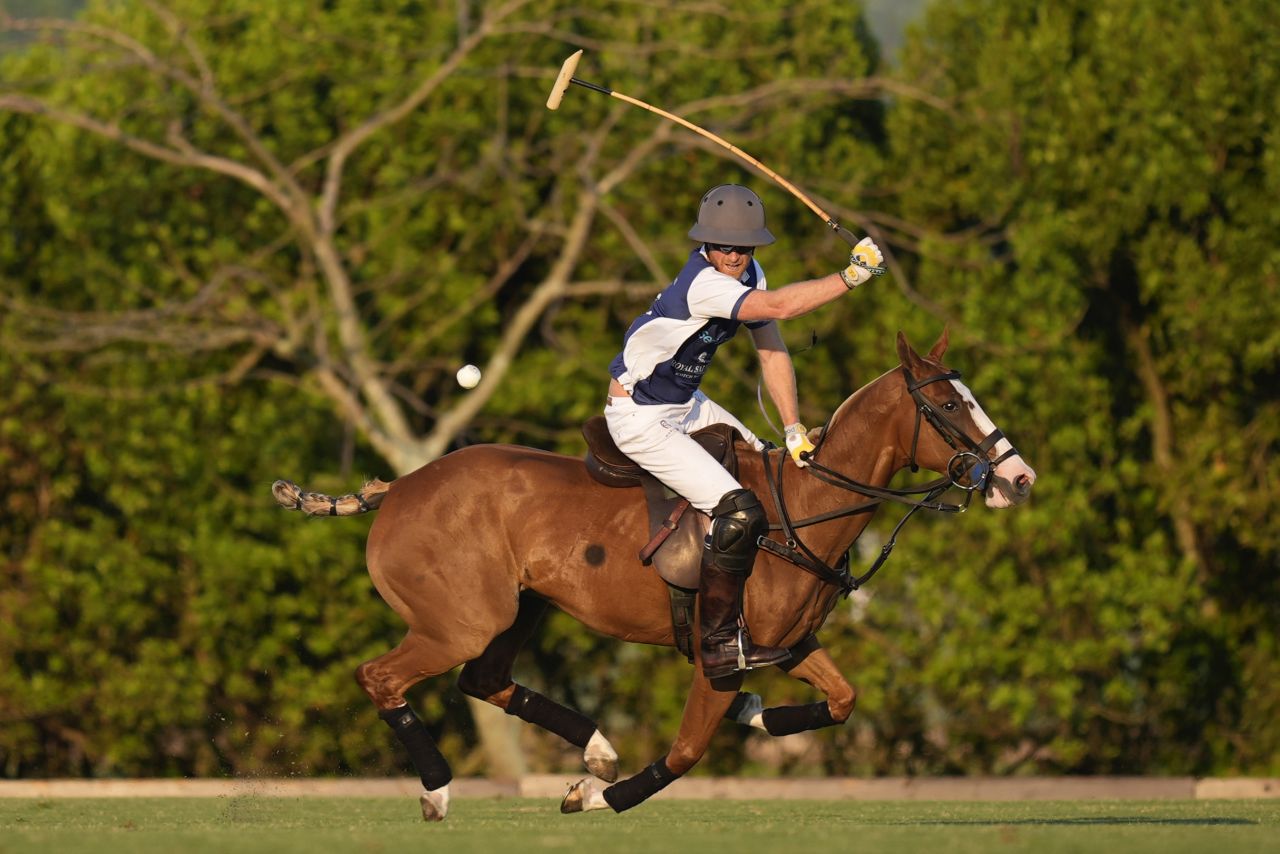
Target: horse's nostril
pixel 1023 483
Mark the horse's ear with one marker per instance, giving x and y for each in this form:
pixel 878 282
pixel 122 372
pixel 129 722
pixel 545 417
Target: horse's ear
pixel 935 354
pixel 907 356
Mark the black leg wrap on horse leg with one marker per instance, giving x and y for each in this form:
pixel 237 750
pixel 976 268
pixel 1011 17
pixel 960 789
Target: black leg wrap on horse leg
pixel 789 720
pixel 426 757
pixel 635 790
pixel 574 727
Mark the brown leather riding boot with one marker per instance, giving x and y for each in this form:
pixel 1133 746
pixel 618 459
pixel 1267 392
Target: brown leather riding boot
pixel 726 643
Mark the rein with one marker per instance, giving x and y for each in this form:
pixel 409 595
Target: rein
pixel 979 471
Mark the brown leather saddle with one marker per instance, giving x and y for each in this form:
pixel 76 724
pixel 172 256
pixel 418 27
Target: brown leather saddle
pixel 675 547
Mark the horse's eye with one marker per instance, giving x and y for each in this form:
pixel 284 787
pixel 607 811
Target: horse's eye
pixel 950 406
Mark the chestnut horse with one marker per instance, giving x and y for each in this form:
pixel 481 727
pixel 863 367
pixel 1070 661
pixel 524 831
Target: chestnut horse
pixel 470 549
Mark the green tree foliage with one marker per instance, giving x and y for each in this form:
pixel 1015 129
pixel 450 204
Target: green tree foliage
pixel 1100 225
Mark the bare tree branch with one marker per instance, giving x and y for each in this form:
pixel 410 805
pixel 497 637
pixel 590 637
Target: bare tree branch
pixel 500 277
pixel 398 453
pixel 285 187
pixel 180 31
pixel 612 287
pixel 347 143
pixel 635 241
pixel 188 156
pixel 550 289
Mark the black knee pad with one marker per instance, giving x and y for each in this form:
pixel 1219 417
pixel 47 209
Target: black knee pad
pixel 737 522
pixel 739 500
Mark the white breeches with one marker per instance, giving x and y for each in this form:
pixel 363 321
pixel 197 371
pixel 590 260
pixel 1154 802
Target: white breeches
pixel 656 438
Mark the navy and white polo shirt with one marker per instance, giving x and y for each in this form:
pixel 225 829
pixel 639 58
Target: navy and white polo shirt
pixel 668 348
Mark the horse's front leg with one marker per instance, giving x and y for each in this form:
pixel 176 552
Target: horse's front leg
pixel 703 711
pixel 812 664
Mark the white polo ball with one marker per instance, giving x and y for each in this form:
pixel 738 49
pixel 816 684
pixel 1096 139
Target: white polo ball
pixel 468 376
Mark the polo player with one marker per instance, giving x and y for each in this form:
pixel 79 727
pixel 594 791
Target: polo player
pixel 654 402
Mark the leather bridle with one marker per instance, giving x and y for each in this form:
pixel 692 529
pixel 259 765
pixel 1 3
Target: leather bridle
pixel 979 472
pixel 969 463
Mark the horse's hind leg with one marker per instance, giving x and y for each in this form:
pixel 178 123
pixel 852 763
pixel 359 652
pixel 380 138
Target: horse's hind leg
pixel 810 663
pixel 488 678
pixel 385 679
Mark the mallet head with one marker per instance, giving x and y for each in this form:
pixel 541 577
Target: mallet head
pixel 562 80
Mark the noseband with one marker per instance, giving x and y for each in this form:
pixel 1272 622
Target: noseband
pixel 970 461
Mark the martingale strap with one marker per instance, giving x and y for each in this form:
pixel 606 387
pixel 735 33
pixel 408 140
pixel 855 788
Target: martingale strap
pixel 795 551
pixel 804 559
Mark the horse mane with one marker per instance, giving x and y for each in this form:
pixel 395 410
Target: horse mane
pixel 852 400
pixel 850 403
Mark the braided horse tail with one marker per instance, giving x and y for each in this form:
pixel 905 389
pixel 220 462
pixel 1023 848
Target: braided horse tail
pixel 291 497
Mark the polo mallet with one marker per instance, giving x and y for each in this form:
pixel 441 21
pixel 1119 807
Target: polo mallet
pixel 565 77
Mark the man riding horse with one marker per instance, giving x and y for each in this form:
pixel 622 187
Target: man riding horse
pixel 555 535
pixel 654 402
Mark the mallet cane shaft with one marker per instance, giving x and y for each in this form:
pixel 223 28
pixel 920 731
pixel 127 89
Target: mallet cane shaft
pixel 565 78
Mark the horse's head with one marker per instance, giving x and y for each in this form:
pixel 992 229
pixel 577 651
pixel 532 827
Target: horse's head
pixel 951 434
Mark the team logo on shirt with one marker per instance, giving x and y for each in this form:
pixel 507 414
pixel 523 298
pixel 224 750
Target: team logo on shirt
pixel 689 370
pixel 706 336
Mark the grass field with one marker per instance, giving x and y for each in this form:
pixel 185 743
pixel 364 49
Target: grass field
pixel 370 825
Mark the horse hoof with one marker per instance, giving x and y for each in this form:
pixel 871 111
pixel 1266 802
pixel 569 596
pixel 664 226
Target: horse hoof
pixel 572 801
pixel 600 758
pixel 586 794
pixel 604 767
pixel 435 806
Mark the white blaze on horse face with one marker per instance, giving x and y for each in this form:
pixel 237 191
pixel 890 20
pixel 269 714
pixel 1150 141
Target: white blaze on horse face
pixel 1011 471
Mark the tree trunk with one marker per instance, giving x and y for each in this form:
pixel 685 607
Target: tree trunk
pixel 1162 446
pixel 499 740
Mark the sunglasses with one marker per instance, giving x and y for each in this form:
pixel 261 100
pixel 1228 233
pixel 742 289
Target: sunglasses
pixel 729 250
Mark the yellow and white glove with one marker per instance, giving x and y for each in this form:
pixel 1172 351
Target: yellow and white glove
pixel 798 442
pixel 865 255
